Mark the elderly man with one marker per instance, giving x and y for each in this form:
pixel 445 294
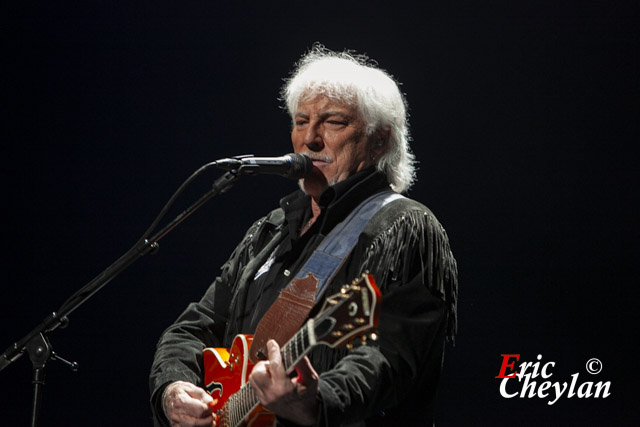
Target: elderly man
pixel 349 117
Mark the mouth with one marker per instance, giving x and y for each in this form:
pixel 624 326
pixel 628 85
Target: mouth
pixel 318 159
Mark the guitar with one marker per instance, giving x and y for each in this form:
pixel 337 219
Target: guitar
pixel 343 317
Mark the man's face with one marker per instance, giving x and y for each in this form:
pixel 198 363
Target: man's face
pixel 333 135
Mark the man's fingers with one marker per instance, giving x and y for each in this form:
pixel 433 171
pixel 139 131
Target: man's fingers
pixel 306 374
pixel 187 404
pixel 260 376
pixel 199 394
pixel 275 358
pixel 268 377
pixel 195 401
pixel 293 399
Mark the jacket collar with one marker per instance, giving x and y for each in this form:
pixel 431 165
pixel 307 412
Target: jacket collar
pixel 336 202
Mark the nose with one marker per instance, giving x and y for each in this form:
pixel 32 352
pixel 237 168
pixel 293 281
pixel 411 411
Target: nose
pixel 313 139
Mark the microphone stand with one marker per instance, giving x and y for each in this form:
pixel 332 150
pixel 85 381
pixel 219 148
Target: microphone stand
pixel 36 343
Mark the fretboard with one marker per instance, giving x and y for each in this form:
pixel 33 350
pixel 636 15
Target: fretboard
pixel 242 402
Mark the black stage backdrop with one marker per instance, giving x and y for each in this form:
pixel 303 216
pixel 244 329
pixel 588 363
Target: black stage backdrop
pixel 525 121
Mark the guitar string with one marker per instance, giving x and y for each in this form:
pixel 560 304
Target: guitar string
pixel 245 399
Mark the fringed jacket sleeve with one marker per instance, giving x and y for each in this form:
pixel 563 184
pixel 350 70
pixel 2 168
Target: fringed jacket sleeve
pixel 393 381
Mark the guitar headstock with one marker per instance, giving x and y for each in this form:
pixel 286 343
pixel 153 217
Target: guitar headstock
pixel 350 313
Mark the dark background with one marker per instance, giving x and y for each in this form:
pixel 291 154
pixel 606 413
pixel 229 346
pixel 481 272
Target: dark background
pixel 525 121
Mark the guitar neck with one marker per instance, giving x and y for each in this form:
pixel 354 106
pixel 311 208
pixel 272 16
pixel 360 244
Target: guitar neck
pixel 343 316
pixel 298 346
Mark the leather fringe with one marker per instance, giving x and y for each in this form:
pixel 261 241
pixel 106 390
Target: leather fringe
pixel 391 253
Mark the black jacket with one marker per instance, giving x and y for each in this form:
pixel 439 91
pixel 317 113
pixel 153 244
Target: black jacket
pixel 391 382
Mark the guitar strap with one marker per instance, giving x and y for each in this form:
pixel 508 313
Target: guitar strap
pixel 292 307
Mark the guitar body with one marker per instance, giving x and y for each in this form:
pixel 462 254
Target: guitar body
pixel 226 371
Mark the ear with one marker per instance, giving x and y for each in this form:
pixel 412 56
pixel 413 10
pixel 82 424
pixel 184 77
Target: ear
pixel 380 142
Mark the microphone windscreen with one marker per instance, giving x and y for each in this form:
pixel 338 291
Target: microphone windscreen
pixel 301 166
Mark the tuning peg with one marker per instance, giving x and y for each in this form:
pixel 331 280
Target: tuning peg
pixel 350 345
pixel 373 336
pixel 363 339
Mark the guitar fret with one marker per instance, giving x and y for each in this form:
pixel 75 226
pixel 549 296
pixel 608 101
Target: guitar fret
pixel 241 403
pixel 304 338
pixel 240 406
pixel 236 414
pixel 290 356
pixel 245 400
pixel 283 352
pixel 295 346
pixel 300 336
pixel 300 342
pixel 232 410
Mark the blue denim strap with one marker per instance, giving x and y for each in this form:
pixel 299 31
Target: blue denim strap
pixel 326 260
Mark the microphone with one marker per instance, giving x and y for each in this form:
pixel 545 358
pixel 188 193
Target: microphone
pixel 294 166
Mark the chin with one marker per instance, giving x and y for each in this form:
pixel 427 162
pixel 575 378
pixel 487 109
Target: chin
pixel 317 185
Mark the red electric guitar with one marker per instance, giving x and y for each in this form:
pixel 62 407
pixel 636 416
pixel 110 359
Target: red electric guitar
pixel 343 317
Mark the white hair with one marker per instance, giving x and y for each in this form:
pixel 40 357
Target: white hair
pixel 353 79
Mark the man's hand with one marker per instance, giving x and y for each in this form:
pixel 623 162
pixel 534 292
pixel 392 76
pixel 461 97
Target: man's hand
pixel 291 398
pixel 187 405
